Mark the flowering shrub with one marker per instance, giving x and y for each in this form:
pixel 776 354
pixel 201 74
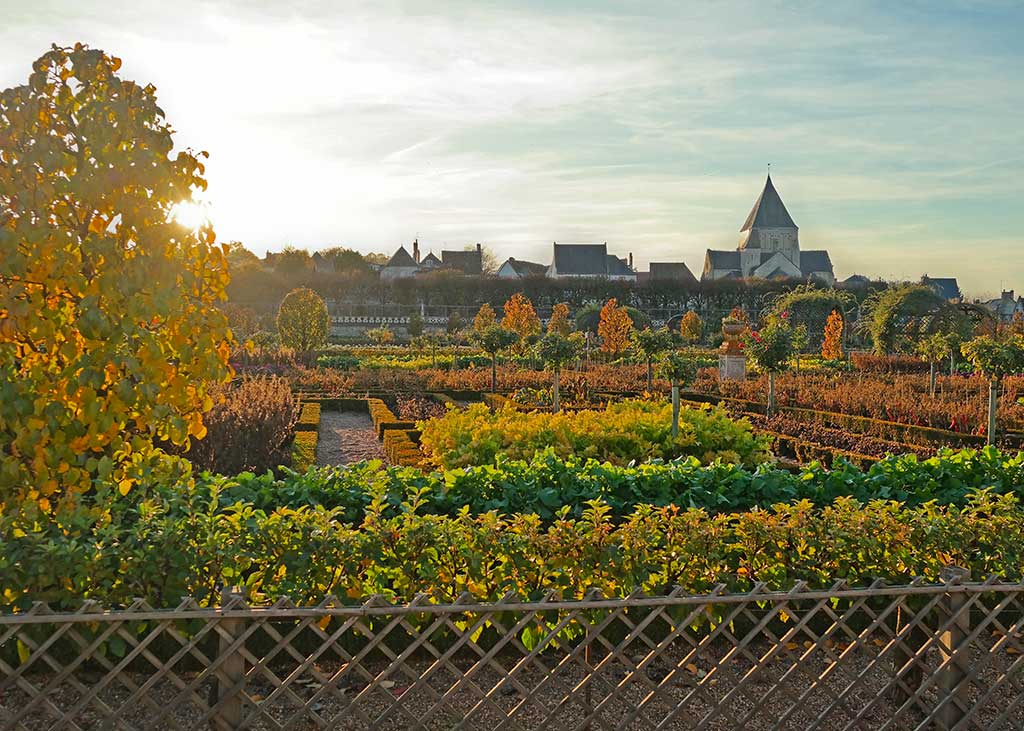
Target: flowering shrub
pixel 624 432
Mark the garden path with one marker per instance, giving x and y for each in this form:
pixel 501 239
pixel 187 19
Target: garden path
pixel 345 437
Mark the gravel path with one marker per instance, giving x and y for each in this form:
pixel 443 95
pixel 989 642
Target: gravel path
pixel 346 436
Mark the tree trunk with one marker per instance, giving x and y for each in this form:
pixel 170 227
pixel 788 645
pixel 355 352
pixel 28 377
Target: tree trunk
pixel 675 410
pixel 952 363
pixel 993 404
pixel 650 376
pixel 931 380
pixel 494 371
pixel 771 393
pixel 557 402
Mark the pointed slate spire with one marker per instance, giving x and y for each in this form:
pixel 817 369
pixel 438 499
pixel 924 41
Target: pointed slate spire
pixel 769 211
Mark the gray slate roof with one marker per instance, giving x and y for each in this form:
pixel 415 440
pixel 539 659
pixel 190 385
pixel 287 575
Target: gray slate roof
pixel 815 261
pixel 617 267
pixel 467 262
pixel 430 261
pixel 581 259
pixel 400 258
pixel 769 211
pixel 947 287
pixel 677 271
pixel 723 259
pixel 526 268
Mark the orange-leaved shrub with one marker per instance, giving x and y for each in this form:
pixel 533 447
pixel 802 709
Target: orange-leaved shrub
pixel 249 428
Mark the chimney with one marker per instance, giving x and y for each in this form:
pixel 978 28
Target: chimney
pixel 478 248
pixel 416 250
pixel 631 260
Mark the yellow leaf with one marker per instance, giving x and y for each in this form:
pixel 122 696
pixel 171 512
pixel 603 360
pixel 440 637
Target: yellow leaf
pixel 124 486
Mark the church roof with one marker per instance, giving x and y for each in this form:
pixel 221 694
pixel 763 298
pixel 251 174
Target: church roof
pixel 400 258
pixel 812 262
pixel 769 211
pixel 723 259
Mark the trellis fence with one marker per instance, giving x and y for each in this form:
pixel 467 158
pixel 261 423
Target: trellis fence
pixel 918 656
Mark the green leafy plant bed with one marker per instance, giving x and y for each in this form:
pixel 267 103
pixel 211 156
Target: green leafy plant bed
pixel 623 432
pixel 548 484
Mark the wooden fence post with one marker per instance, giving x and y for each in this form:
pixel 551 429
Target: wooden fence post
pixel 228 681
pixel 952 683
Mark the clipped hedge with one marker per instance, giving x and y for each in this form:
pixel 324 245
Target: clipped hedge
pixel 304 450
pixel 401 448
pixel 309 417
pixel 188 543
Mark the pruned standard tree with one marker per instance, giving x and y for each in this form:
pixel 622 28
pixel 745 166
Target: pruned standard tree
pixel 110 331
pixel 556 350
pixel 303 322
pixel 492 341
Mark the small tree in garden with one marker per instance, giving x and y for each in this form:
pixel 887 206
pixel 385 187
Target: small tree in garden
pixel 521 319
pixel 303 322
pixel 678 369
pixel 691 328
pixel 614 327
pixel 454 323
pixel 492 341
pixel 832 343
pixel 933 350
pixel 380 335
pixel 556 350
pixel 485 317
pixel 415 325
pixel 432 339
pixel 772 348
pixel 995 359
pixel 650 344
pixel 559 323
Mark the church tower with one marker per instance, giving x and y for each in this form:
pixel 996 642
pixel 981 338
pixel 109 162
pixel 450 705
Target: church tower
pixel 769 229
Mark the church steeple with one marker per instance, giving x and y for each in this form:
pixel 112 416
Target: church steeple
pixel 769 211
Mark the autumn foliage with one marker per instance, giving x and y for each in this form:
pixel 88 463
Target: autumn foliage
pixel 559 323
pixel 832 344
pixel 109 323
pixel 614 328
pixel 520 317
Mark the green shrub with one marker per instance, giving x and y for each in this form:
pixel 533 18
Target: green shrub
pixel 304 450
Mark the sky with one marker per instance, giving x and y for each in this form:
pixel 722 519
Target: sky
pixel 894 131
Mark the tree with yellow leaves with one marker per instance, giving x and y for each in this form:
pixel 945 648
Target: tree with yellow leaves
pixel 110 331
pixel 691 328
pixel 520 318
pixel 832 344
pixel 559 323
pixel 485 317
pixel 303 322
pixel 614 328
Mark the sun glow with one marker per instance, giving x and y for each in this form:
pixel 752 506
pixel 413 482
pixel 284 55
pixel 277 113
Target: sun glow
pixel 191 214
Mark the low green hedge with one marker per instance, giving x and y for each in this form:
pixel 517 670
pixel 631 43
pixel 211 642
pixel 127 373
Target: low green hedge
pixel 304 450
pixel 178 543
pixel 309 417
